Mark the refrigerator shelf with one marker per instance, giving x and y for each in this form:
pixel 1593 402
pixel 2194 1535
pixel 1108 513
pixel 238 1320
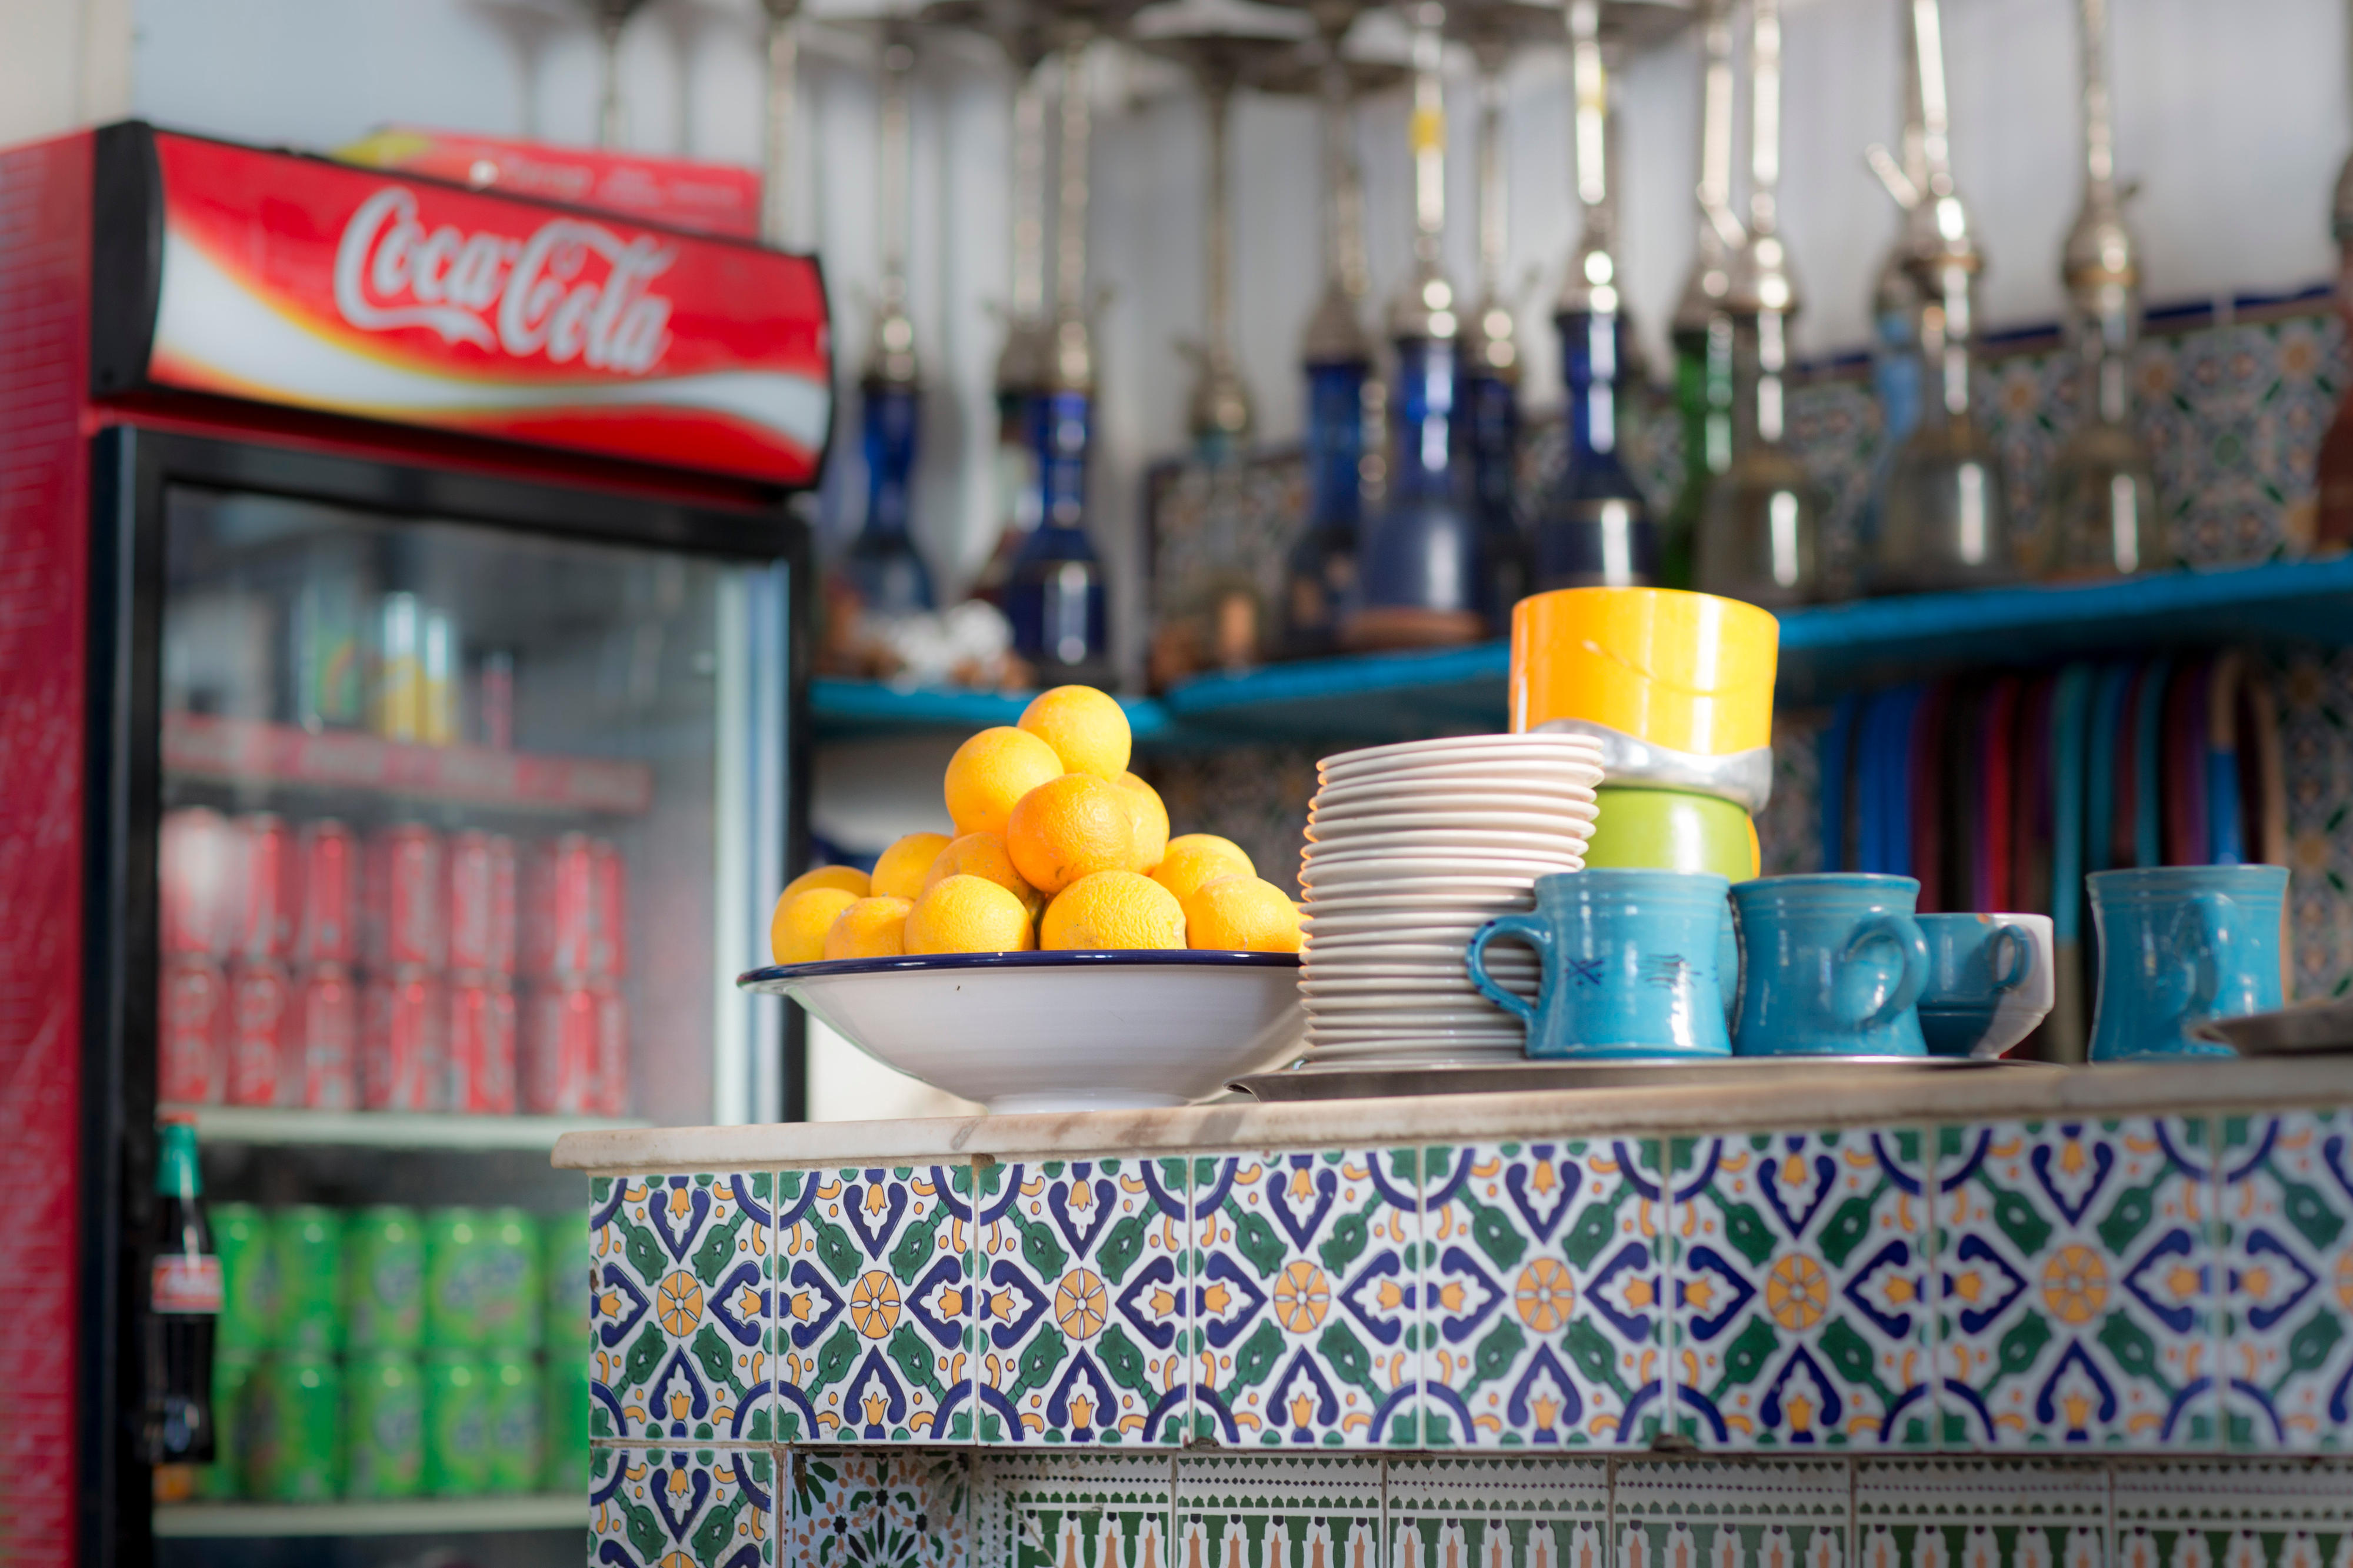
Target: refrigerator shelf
pixel 243 750
pixel 276 1126
pixel 407 1516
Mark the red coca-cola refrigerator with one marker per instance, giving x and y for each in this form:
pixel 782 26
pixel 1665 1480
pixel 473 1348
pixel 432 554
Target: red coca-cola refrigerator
pixel 402 643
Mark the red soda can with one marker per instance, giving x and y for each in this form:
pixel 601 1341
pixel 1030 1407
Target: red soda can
pixel 560 1052
pixel 404 924
pixel 482 1046
pixel 404 1060
pixel 192 1017
pixel 328 931
pixel 560 933
pixel 327 1031
pixel 263 1046
pixel 608 887
pixel 612 1051
pixel 481 868
pixel 195 877
pixel 269 888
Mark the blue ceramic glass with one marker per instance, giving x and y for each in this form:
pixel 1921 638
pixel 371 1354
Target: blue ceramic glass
pixel 2180 945
pixel 1629 961
pixel 1831 965
pixel 1989 981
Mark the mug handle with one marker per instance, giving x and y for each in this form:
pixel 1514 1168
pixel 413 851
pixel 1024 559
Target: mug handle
pixel 1536 932
pixel 2216 917
pixel 2021 947
pixel 1906 934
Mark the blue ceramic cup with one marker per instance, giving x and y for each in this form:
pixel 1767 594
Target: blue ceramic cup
pixel 1630 964
pixel 1990 982
pixel 2180 945
pixel 1831 965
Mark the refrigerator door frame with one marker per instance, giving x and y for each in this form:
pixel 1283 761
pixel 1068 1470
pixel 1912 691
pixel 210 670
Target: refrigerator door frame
pixel 132 466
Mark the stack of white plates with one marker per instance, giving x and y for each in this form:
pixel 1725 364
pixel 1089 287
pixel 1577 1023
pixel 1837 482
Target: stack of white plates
pixel 1412 847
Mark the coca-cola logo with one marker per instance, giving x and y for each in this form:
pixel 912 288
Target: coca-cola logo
pixel 526 298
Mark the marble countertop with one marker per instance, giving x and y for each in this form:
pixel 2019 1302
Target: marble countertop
pixel 1812 1098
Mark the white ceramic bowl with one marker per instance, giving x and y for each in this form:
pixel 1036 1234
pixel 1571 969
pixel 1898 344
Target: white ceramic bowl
pixel 1059 1031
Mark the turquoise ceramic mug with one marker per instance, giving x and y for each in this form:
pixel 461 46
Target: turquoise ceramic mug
pixel 1990 982
pixel 2181 945
pixel 1831 965
pixel 1630 964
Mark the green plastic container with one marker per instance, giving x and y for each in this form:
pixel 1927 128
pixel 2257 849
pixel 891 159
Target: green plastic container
pixel 234 1372
pixel 1670 830
pixel 307 1241
pixel 513 1396
pixel 458 1425
pixel 454 1279
pixel 510 1286
pixel 564 1404
pixel 383 1279
pixel 295 1427
pixel 249 1316
pixel 384 1425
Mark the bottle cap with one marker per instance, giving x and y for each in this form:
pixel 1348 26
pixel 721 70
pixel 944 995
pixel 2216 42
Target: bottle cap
pixel 178 1175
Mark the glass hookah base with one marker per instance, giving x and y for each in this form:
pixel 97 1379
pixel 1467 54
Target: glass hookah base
pixel 1379 626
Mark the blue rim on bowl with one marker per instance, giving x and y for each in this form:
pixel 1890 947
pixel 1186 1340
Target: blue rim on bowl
pixel 773 977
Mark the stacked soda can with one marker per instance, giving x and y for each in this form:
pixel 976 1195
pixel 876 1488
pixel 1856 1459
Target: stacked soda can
pixel 440 942
pixel 576 955
pixel 385 1352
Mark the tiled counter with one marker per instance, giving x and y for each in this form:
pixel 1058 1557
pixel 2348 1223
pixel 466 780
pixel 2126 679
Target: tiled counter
pixel 2008 1317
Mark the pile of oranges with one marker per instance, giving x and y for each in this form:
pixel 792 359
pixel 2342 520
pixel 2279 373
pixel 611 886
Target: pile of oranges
pixel 1058 845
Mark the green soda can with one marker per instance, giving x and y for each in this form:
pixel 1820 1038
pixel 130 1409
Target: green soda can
pixel 457 1425
pixel 383 1279
pixel 384 1425
pixel 308 1244
pixel 248 1315
pixel 454 1268
pixel 295 1421
pixel 234 1372
pixel 563 1421
pixel 513 1394
pixel 564 1285
pixel 510 1285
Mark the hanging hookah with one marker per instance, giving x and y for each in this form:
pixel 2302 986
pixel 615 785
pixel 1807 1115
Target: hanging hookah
pixel 882 565
pixel 1944 521
pixel 1596 530
pixel 2333 526
pixel 1057 594
pixel 1897 373
pixel 1701 329
pixel 1424 564
pixel 1760 530
pixel 611 17
pixel 2103 520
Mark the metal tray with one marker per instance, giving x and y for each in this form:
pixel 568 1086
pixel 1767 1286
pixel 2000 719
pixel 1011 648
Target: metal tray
pixel 1521 1077
pixel 2314 1029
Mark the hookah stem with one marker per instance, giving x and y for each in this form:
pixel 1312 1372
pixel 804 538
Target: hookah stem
pixel 2111 309
pixel 1945 329
pixel 1217 94
pixel 1346 213
pixel 783 102
pixel 1071 209
pixel 609 22
pixel 1429 134
pixel 1592 87
pixel 1715 132
pixel 1029 194
pixel 1764 189
pixel 1495 216
pixel 2099 126
pixel 896 152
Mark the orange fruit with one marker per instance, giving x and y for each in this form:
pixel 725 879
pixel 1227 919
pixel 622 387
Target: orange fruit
pixel 1113 909
pixel 968 914
pixel 870 928
pixel 1070 828
pixel 797 930
pixel 1198 857
pixel 991 772
pixel 1241 914
pixel 1087 729
pixel 1151 821
pixel 848 877
pixel 898 872
pixel 983 855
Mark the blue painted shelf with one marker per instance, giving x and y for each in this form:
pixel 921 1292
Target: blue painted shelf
pixel 1383 697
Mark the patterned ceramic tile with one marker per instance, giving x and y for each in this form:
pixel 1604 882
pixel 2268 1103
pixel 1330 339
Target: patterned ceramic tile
pixel 1248 1510
pixel 2284 1274
pixel 1498 1512
pixel 673 1508
pixel 1724 1514
pixel 875 1304
pixel 1800 1268
pixel 1083 1303
pixel 1304 1298
pixel 1998 1513
pixel 1091 1510
pixel 684 1269
pixel 2073 1266
pixel 877 1507
pixel 1540 1281
pixel 2243 1515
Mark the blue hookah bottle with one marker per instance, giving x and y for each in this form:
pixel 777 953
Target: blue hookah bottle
pixel 1596 530
pixel 1320 576
pixel 1057 598
pixel 881 566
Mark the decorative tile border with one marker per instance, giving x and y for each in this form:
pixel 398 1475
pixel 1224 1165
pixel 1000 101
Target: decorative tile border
pixel 1728 1514
pixel 1244 1511
pixel 1990 1513
pixel 671 1507
pixel 1497 1511
pixel 1098 1510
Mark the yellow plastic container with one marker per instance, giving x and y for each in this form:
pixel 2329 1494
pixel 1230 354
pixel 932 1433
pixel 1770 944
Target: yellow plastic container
pixel 1691 673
